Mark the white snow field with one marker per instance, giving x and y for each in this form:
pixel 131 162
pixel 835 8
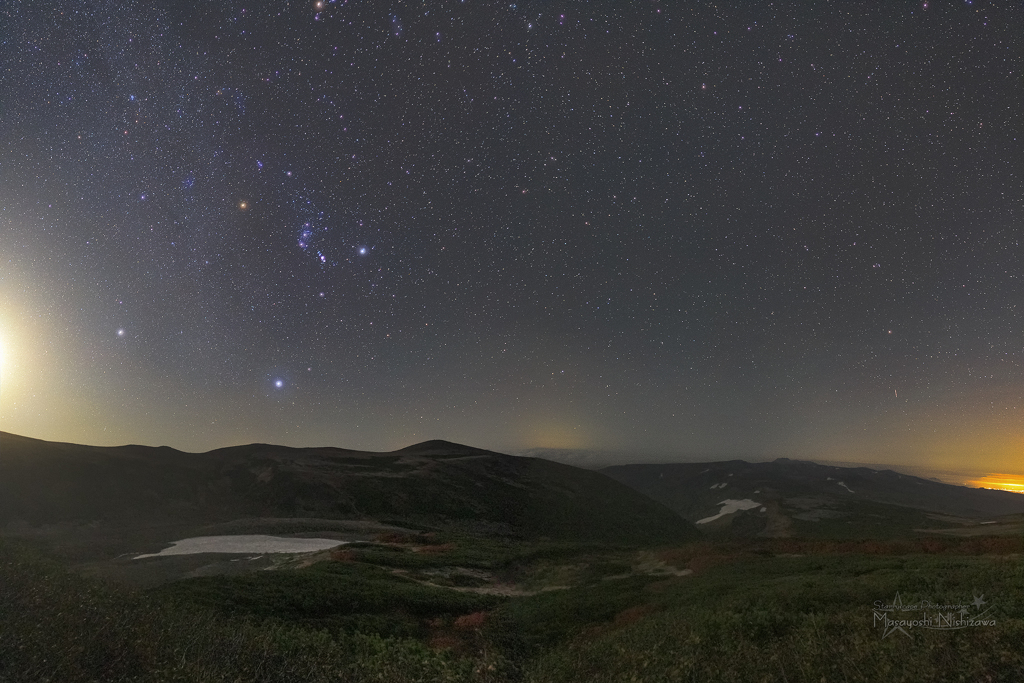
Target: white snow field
pixel 249 543
pixel 729 506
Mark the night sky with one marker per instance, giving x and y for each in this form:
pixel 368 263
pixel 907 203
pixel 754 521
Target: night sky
pixel 742 229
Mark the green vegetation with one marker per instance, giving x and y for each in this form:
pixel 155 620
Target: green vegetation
pixel 856 519
pixel 493 569
pixel 336 596
pixel 58 626
pixel 782 610
pixel 447 549
pixel 804 619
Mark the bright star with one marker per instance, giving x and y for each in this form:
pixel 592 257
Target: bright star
pixel 120 333
pixel 278 383
pixel 362 251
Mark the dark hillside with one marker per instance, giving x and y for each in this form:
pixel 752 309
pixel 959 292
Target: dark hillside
pixel 434 484
pixel 800 496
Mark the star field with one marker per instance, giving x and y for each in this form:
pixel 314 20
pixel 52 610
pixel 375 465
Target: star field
pixel 746 229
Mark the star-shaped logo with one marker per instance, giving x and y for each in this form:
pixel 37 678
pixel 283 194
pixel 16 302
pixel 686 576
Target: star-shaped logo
pixel 890 625
pixel 979 600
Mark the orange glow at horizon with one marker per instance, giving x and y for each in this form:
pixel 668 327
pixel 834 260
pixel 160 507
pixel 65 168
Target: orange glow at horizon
pixel 1002 482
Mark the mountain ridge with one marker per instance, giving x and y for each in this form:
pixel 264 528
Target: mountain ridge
pixel 121 490
pixel 806 497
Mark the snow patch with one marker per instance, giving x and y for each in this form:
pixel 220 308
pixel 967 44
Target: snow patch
pixel 845 487
pixel 730 506
pixel 244 543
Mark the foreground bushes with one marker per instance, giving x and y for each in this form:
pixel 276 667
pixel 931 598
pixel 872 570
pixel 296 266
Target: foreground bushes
pixel 57 626
pixel 805 620
pixel 746 616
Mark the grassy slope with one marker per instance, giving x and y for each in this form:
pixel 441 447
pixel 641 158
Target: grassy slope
pixel 435 483
pixel 59 626
pixel 443 483
pixel 803 619
pixel 750 613
pixel 338 596
pixel 782 610
pixel 767 610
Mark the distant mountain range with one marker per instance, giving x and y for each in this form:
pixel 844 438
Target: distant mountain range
pixel 795 497
pixel 116 496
